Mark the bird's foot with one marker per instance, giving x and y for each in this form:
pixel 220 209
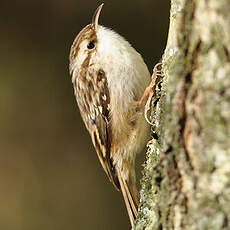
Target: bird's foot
pixel 149 91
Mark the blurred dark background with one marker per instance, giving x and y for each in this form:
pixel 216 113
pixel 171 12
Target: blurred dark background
pixel 50 177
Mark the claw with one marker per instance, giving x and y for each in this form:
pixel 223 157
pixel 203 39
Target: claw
pixel 149 92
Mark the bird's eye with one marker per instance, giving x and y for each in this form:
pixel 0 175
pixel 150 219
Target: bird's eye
pixel 91 45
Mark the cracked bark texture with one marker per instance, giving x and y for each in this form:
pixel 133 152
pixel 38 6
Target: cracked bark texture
pixel 186 177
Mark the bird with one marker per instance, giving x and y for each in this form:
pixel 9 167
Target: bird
pixel 109 78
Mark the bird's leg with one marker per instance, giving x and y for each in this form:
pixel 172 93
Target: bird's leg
pixel 149 91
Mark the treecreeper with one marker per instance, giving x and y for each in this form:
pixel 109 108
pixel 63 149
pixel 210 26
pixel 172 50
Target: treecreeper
pixel 109 79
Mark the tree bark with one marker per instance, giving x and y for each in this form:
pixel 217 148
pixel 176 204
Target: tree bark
pixel 186 177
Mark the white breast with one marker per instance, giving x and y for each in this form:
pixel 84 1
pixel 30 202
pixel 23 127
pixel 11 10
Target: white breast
pixel 126 72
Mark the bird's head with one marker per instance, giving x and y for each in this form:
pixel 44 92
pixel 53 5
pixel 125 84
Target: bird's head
pixel 86 43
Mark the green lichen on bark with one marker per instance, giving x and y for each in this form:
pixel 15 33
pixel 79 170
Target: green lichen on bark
pixel 186 181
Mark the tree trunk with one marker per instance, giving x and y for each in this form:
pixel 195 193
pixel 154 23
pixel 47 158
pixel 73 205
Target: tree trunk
pixel 186 181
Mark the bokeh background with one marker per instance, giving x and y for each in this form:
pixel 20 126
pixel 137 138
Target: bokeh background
pixel 50 177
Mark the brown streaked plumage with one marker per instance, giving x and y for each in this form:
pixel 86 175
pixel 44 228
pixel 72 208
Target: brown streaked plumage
pixel 109 78
pixel 93 105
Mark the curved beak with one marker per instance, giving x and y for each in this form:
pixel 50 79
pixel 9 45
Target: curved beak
pixel 96 17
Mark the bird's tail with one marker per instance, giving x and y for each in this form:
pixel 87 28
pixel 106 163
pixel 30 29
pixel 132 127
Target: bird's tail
pixel 131 196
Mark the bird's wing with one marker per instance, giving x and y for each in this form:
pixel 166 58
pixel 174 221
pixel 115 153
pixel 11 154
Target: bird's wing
pixel 93 99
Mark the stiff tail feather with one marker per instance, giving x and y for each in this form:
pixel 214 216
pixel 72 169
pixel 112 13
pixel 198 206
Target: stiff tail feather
pixel 130 198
